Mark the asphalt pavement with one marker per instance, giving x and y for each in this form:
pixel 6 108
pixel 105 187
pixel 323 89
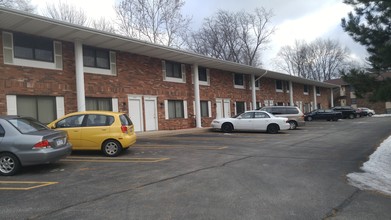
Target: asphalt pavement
pixel 200 174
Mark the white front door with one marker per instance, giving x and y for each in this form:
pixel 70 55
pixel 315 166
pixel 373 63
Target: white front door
pixel 227 108
pixel 219 108
pixel 135 112
pixel 151 120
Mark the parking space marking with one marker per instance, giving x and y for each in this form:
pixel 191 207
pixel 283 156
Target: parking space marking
pixel 24 185
pixel 179 147
pixel 114 160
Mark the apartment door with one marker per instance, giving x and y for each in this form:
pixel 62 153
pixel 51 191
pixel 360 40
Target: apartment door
pixel 223 109
pixel 136 112
pixel 151 119
pixel 219 108
pixel 227 108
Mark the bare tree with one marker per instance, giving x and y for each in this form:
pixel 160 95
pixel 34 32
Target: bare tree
pixel 65 12
pixel 23 5
pixel 237 37
pixel 156 21
pixel 320 60
pixel 103 24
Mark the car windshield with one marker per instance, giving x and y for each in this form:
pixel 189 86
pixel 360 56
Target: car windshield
pixel 27 125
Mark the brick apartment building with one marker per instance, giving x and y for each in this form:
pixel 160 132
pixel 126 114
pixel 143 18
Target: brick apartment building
pixel 49 68
pixel 344 96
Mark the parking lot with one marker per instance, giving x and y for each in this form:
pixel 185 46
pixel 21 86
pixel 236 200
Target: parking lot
pixel 201 174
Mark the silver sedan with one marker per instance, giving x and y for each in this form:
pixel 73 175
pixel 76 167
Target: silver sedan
pixel 25 141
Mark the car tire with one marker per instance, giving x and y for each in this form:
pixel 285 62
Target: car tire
pixel 292 125
pixel 351 116
pixel 9 164
pixel 335 119
pixel 227 127
pixel 309 118
pixel 370 114
pixel 111 148
pixel 272 129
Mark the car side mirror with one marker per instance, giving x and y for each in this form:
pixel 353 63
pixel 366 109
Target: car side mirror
pixel 239 117
pixel 52 127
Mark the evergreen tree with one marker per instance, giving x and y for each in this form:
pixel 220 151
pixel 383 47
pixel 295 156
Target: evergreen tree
pixel 370 25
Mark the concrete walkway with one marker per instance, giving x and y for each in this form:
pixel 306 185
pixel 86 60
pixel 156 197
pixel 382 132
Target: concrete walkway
pixel 162 133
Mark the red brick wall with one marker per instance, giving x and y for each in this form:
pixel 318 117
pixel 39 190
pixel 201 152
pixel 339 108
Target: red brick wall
pixel 138 75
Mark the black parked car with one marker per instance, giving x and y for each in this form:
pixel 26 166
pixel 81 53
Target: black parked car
pixel 347 111
pixel 323 114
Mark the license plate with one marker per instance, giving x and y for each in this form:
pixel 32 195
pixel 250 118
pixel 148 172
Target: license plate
pixel 59 142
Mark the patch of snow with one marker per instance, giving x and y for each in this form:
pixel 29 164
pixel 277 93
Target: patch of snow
pixel 382 115
pixel 377 172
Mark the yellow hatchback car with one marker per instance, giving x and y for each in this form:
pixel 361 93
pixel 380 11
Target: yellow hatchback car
pixel 110 132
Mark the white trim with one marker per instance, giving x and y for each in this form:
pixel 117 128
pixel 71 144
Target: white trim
pixel 209 109
pixel 185 109
pixel 8 51
pixel 114 104
pixel 11 105
pixel 166 109
pixel 60 106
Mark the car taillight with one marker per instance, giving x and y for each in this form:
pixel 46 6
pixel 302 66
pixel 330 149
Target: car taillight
pixel 42 144
pixel 124 129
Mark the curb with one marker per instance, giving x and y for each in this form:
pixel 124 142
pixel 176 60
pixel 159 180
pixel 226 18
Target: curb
pixel 164 133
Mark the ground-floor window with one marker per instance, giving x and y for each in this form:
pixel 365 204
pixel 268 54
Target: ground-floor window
pixel 240 107
pixel 42 108
pixel 204 109
pixel 175 109
pixel 100 104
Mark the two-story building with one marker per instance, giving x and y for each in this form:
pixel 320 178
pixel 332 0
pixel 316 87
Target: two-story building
pixel 49 68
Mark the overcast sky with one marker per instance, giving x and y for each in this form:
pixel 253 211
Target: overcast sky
pixel 293 19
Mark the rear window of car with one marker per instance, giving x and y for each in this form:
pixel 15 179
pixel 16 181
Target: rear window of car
pixel 99 120
pixel 292 111
pixel 281 111
pixel 27 125
pixel 125 120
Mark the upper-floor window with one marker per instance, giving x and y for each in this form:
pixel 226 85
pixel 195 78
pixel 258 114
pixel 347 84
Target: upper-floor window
pixel 239 80
pixel 279 85
pixel 305 89
pixel 202 74
pixel 173 71
pixel 31 51
pixel 287 87
pixel 318 90
pixel 33 48
pixel 96 58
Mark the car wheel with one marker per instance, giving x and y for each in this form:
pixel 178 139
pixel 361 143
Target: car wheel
pixel 292 125
pixel 272 129
pixel 111 148
pixel 309 118
pixel 351 116
pixel 370 114
pixel 335 119
pixel 227 127
pixel 9 164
